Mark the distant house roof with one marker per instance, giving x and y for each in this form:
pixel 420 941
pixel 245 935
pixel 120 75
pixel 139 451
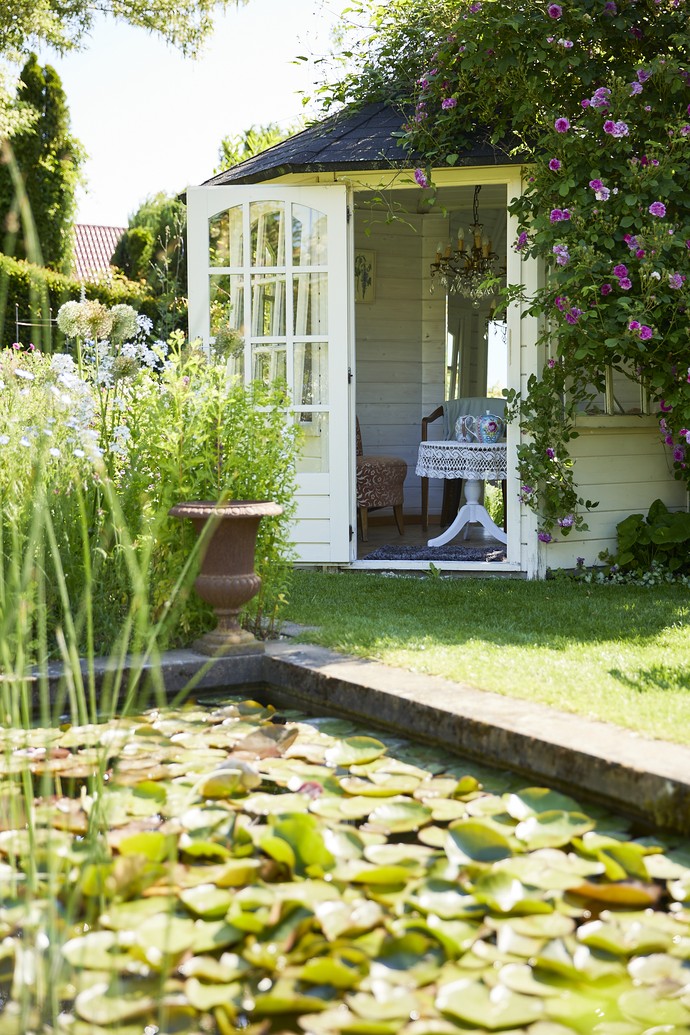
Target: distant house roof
pixel 93 249
pixel 362 138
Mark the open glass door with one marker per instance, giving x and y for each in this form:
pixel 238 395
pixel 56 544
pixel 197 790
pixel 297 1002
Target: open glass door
pixel 268 267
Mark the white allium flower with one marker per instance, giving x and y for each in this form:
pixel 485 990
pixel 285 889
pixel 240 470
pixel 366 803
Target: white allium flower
pixel 125 322
pixel 68 319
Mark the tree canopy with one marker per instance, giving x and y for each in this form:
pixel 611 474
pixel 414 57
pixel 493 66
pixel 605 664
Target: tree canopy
pixel 237 148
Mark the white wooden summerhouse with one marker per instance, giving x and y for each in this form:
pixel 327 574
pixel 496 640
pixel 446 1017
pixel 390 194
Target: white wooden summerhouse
pixel 272 254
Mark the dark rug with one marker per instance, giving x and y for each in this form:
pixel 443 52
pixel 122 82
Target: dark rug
pixel 436 553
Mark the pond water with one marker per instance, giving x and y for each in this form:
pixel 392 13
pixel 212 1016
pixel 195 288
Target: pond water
pixel 224 867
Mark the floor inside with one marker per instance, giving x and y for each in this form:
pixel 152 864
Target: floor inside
pixel 382 532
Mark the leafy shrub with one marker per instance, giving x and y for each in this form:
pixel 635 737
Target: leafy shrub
pixel 91 462
pixel 660 540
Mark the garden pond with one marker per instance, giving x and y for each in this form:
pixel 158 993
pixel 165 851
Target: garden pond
pixel 224 867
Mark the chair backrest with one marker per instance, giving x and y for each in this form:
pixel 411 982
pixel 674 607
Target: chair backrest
pixel 473 406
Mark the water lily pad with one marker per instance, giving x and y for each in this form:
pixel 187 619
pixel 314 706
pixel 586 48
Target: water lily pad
pixel 552 829
pixel 204 996
pixel 625 938
pixel 354 751
pixel 535 800
pixel 399 816
pixel 475 840
pixel 98 950
pixel 445 899
pixel 121 1001
pixel 391 1003
pixel 207 901
pixel 520 977
pixel 380 785
pixel 339 919
pixel 329 971
pixel 642 1005
pixel 262 804
pixel 494 1009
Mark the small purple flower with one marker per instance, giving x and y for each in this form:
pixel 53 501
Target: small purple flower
pixel 551 453
pixel 566 44
pixel 555 10
pixel 678 454
pixel 544 537
pixel 625 283
pixel 559 301
pixel 573 315
pixel 609 8
pixel 448 102
pixel 596 184
pixel 600 97
pixel 527 489
pixel 669 440
pixel 559 214
pixel 616 129
pixel 684 131
pixel 635 88
pixel 567 522
pixel 642 75
pixel 606 289
pixel 634 325
pixel 554 165
pixel 562 254
pixel 664 406
pixel 551 364
pixel 420 177
pixel 646 332
pixel 620 270
pixel 521 242
pixel 562 125
pixel 675 281
pixel 657 208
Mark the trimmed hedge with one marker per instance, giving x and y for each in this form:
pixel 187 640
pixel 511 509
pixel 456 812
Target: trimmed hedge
pixel 36 294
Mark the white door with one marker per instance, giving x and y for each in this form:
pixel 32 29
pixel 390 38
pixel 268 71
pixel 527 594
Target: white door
pixel 269 266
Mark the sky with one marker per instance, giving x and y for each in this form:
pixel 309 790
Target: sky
pixel 151 120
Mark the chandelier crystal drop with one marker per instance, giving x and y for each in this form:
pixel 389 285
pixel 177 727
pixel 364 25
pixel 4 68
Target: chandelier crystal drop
pixel 465 270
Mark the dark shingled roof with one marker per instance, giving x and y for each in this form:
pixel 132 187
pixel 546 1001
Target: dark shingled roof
pixel 352 139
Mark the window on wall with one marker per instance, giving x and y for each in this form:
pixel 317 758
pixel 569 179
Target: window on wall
pixel 621 394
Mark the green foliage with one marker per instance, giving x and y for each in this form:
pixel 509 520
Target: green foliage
pixel 97 452
pixel 153 250
pixel 238 148
pixel 661 539
pixel 49 160
pixel 37 294
pixel 594 98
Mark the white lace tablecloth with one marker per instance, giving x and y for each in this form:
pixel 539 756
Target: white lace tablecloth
pixel 473 461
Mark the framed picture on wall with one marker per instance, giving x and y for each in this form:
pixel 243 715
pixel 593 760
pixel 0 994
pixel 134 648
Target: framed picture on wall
pixel 365 276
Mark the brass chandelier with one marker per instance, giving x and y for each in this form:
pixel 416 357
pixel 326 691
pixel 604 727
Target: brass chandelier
pixel 465 270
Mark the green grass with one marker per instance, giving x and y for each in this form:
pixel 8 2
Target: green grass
pixel 617 653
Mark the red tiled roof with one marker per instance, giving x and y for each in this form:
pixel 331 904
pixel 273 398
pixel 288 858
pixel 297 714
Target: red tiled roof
pixel 93 249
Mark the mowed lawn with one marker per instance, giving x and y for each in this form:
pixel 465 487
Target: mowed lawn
pixel 617 653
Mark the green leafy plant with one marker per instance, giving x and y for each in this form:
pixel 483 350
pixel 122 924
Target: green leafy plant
pixel 662 538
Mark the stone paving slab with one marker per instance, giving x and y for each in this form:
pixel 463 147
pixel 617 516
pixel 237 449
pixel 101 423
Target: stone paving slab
pixel 647 779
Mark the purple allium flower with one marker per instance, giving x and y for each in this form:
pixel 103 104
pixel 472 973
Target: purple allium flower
pixel 554 165
pixel 620 270
pixel 550 453
pixel 606 289
pixel 657 208
pixel 420 177
pixel 675 280
pixel 642 75
pixel 544 537
pixel 625 283
pixel 562 125
pixel 635 88
pixel 555 10
pixel 646 332
pixel 448 102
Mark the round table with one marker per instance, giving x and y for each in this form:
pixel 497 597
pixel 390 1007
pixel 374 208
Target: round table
pixel 475 462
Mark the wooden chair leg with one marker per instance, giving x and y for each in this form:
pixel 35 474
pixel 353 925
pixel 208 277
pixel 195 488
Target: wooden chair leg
pixel 363 518
pixel 399 520
pixel 425 503
pixel 504 493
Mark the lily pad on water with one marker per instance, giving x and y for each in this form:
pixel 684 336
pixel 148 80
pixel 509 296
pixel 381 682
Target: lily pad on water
pixel 354 751
pixel 475 840
pixel 493 1009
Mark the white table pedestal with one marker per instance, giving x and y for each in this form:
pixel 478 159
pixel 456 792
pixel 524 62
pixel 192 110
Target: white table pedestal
pixel 472 511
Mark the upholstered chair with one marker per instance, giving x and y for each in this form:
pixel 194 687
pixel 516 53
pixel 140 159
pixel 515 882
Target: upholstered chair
pixel 379 484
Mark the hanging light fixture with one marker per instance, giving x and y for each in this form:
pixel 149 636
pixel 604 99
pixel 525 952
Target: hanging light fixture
pixel 464 270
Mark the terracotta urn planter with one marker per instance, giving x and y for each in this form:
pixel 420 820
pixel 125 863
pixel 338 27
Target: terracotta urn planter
pixel 227 580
